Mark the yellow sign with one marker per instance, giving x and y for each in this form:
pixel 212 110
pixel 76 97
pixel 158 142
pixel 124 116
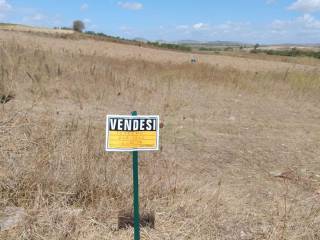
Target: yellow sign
pixel 132 133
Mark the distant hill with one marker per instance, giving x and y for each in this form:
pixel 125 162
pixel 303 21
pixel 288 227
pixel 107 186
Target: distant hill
pixel 189 42
pixel 212 43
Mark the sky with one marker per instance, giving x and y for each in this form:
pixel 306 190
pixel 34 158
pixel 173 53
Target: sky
pixel 247 21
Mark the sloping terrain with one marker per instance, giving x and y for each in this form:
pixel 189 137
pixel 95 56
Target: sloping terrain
pixel 240 144
pixel 30 29
pixel 127 51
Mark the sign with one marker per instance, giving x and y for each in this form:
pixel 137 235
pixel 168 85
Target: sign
pixel 132 133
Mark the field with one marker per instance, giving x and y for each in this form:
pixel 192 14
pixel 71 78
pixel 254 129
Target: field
pixel 240 147
pixel 24 28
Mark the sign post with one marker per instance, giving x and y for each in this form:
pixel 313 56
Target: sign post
pixel 133 133
pixel 135 171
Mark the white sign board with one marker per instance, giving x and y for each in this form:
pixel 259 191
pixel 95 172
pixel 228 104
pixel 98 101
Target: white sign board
pixel 132 133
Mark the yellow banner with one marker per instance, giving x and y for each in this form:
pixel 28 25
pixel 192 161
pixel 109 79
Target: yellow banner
pixel 126 139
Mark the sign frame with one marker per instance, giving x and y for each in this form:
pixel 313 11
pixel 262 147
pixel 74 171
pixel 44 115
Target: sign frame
pixel 157 148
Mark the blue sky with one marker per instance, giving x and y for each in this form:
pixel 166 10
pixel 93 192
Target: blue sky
pixel 263 21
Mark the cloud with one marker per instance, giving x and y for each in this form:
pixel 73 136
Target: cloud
pixel 230 26
pixel 35 18
pixel 303 23
pixel 305 5
pixel 182 27
pixel 89 24
pixel 4 6
pixel 303 29
pixel 200 26
pixel 225 27
pixel 229 30
pixel 57 20
pixel 280 24
pixel 38 17
pixel 84 7
pixel 309 21
pixel 131 5
pixel 87 20
pixel 128 31
pixel 271 1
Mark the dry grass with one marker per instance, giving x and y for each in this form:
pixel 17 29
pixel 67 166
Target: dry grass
pixel 273 58
pixel 23 28
pixel 226 131
pixel 104 49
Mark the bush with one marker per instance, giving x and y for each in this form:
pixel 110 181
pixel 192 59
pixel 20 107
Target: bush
pixel 171 46
pixel 155 44
pixel 294 52
pixel 228 49
pixel 207 49
pixel 66 28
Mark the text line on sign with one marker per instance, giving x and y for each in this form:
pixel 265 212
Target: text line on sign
pixel 132 133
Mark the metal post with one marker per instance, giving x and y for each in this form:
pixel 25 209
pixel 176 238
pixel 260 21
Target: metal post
pixel 135 171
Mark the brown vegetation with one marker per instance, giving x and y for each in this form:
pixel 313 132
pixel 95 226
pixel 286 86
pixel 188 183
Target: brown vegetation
pixel 229 137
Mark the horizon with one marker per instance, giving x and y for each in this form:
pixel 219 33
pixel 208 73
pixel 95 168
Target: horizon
pixel 268 22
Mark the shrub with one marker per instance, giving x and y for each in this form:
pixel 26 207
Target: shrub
pixel 207 49
pixel 294 52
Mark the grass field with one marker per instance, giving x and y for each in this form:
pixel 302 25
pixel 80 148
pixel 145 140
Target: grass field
pixel 25 28
pixel 240 147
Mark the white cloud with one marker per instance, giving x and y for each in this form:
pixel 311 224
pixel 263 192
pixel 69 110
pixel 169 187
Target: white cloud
pixel 200 26
pixel 195 27
pixel 270 1
pixel 233 26
pixel 94 26
pixel 226 27
pixel 305 22
pixel 87 20
pixel 89 24
pixel 303 29
pixel 38 17
pixel 226 31
pixel 84 7
pixel 305 5
pixel 128 31
pixel 4 6
pixel 131 5
pixel 280 24
pixel 57 20
pixel 308 21
pixel 182 27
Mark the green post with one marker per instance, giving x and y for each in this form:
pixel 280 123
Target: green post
pixel 135 171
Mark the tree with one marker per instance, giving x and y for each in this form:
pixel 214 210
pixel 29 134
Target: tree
pixel 78 26
pixel 256 46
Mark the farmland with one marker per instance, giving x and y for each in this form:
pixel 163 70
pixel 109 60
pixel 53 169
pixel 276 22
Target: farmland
pixel 240 146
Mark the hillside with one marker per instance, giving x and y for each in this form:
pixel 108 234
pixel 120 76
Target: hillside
pixel 30 29
pixel 240 147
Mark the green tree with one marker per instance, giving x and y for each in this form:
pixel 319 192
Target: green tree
pixel 78 26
